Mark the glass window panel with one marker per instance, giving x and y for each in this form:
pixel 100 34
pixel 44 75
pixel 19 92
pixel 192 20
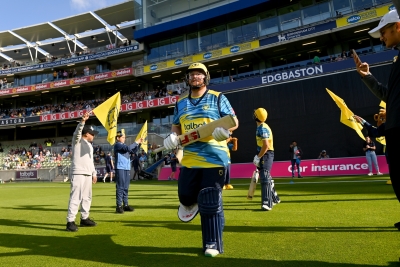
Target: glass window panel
pixel 249 29
pixel 269 26
pixel 192 43
pixel 361 4
pixel 177 47
pixel 341 6
pixel 33 79
pixel 39 78
pixel 164 49
pixel 290 17
pixel 316 13
pixel 218 37
pixel 153 54
pixel 234 32
pixel 206 40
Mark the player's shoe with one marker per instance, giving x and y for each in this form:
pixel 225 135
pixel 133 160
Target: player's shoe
pixel 266 208
pixel 389 182
pixel 370 174
pixel 379 173
pixel 229 186
pixel 299 176
pixel 71 227
pixel 210 252
pixel 87 222
pixel 128 208
pixel 223 188
pixel 119 209
pixel 187 213
pixel 397 225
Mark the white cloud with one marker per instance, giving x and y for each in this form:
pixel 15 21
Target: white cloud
pixel 87 5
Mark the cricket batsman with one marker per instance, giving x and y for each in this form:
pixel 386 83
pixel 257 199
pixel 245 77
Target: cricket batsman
pixel 264 159
pixel 204 162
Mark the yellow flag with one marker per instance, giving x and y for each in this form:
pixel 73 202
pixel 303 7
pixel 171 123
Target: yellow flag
pixel 143 134
pixel 107 113
pixel 346 116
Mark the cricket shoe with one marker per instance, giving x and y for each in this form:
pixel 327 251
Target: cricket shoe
pixel 266 208
pixel 370 174
pixel 389 182
pixel 187 213
pixel 71 227
pixel 229 187
pixel 128 208
pixel 210 252
pixel 87 222
pixel 397 225
pixel 119 209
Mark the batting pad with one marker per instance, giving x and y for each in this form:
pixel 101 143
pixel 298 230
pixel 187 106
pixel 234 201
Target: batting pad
pixel 275 197
pixel 212 218
pixel 266 194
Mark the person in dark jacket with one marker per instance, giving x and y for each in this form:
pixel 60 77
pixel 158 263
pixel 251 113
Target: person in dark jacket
pixel 387 31
pixel 122 170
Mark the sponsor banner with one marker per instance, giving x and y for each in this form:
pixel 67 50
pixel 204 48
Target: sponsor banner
pixel 305 71
pixel 68 82
pixel 158 102
pixel 31 174
pixel 203 56
pixel 63 115
pixel 316 167
pixel 79 59
pixel 292 74
pixel 298 33
pixel 363 16
pixel 16 121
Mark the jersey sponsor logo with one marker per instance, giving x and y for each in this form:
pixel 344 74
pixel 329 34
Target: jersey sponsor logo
pixel 206 107
pixel 264 135
pixel 192 126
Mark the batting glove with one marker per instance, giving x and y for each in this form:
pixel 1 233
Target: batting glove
pixel 220 134
pixel 171 141
pixel 256 160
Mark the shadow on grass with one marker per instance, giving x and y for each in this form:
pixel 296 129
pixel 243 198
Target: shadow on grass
pixel 174 225
pixel 93 250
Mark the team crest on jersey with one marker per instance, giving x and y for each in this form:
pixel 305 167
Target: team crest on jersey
pixel 206 107
pixel 221 172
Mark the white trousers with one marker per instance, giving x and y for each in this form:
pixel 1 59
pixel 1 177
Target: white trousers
pixel 81 194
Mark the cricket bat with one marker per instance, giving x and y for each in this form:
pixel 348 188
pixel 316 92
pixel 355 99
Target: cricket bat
pixel 204 131
pixel 253 185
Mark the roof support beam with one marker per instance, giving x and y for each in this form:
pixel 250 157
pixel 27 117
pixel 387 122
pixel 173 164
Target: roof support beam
pixel 68 38
pixel 29 44
pixel 109 29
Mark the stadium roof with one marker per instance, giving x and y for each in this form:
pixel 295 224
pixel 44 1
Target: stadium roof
pixel 83 30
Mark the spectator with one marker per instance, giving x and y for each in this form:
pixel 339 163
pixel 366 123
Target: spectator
pixel 295 156
pixel 65 74
pixel 316 60
pixel 323 155
pixel 339 58
pixel 86 71
pixel 369 149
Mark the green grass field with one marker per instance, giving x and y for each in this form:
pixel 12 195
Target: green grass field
pixel 346 221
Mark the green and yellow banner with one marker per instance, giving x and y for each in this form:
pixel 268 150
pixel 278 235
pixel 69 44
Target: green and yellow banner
pixel 363 16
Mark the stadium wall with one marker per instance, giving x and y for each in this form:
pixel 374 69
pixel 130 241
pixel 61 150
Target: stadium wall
pixel 302 110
